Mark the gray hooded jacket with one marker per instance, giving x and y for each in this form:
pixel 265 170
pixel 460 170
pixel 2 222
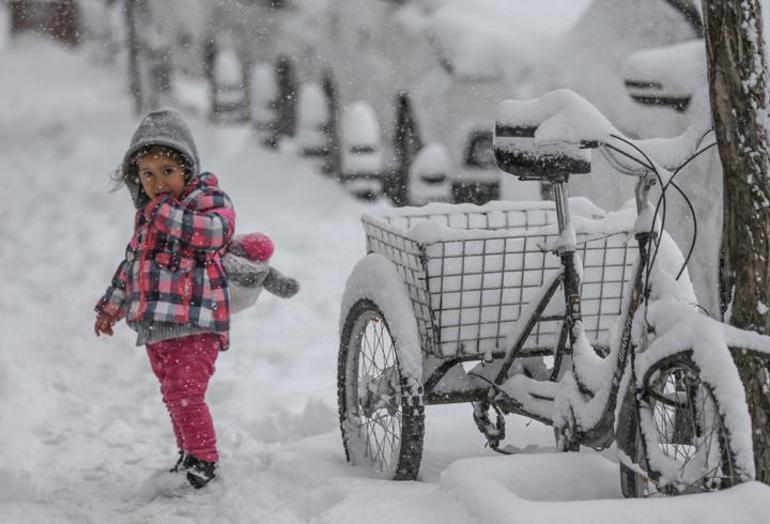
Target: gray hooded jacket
pixel 164 127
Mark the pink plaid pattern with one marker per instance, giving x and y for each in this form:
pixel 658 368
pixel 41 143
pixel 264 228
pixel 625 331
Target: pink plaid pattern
pixel 171 271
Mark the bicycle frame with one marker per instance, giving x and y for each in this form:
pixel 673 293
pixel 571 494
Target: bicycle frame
pixel 601 433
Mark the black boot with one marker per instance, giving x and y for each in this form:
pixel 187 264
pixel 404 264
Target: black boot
pixel 178 464
pixel 199 472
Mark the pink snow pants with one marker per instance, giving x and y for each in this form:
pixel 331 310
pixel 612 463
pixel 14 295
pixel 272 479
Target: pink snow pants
pixel 183 367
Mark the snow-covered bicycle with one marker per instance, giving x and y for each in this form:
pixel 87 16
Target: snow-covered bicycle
pixel 462 304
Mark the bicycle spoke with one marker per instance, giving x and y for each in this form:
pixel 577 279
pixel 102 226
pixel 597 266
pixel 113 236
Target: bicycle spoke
pixel 376 404
pixel 688 430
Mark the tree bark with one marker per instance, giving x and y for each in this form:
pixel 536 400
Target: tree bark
pixel 738 89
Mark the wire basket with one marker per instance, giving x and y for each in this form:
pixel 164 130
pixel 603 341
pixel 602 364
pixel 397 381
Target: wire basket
pixel 469 287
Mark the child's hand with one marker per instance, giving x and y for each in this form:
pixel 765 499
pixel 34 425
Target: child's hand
pixel 103 324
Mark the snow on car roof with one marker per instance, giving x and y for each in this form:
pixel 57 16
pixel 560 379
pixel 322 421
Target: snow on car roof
pixel 679 69
pixel 359 124
pixel 482 39
pixel 432 159
pixel 228 67
pixel 311 103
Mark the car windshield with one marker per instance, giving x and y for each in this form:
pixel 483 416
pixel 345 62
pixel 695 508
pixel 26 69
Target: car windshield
pixel 479 151
pixel 362 149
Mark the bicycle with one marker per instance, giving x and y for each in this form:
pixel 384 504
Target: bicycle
pixel 446 285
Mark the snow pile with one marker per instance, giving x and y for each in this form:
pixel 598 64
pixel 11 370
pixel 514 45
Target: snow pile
pixel 428 176
pixel 359 125
pixel 510 489
pixel 263 92
pixel 311 106
pixel 312 117
pixel 227 68
pixel 432 160
pixel 375 278
pixel 562 118
pixel 678 70
pixel 362 149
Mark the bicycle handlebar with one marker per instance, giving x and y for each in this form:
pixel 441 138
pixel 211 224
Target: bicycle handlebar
pixel 552 136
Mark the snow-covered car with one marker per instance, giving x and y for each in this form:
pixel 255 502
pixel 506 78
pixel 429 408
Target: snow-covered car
pixel 229 97
pixel 428 179
pixel 668 75
pixel 312 122
pixel 477 180
pixel 264 92
pixel 362 163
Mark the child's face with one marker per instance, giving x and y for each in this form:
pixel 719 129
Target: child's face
pixel 160 173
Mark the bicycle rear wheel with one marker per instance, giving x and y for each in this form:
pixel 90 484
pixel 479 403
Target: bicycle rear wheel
pixel 677 424
pixel 380 406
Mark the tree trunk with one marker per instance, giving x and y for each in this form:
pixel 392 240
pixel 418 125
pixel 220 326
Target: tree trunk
pixel 333 158
pixel 737 85
pixel 286 113
pixel 407 143
pixel 134 73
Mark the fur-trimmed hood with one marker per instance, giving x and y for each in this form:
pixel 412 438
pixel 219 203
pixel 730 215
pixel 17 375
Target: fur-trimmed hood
pixel 164 127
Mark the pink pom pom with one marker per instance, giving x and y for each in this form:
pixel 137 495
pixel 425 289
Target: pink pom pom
pixel 256 246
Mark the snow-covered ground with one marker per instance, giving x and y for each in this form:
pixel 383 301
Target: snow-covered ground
pixel 83 431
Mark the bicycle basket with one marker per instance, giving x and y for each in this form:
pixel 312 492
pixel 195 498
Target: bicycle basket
pixel 469 284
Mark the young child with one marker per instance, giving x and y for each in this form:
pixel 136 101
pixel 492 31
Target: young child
pixel 171 287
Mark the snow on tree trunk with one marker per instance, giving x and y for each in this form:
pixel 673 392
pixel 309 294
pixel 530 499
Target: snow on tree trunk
pixel 738 89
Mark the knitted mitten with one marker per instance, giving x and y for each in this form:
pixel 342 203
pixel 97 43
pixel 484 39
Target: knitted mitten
pixel 253 246
pixel 243 271
pixel 280 285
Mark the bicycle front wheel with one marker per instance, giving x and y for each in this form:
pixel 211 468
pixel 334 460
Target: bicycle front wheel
pixel 675 434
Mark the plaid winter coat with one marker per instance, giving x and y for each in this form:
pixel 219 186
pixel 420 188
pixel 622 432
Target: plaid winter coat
pixel 172 272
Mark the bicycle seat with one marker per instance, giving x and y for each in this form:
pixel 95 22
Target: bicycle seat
pixel 548 137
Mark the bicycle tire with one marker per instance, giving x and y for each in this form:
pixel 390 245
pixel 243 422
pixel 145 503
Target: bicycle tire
pixel 396 397
pixel 692 424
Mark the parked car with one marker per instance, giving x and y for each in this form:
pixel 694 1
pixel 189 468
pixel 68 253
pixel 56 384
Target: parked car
pixel 668 75
pixel 428 176
pixel 478 180
pixel 229 97
pixel 362 162
pixel 312 122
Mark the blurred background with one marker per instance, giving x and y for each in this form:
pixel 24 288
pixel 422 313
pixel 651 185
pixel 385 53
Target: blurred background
pixel 395 99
